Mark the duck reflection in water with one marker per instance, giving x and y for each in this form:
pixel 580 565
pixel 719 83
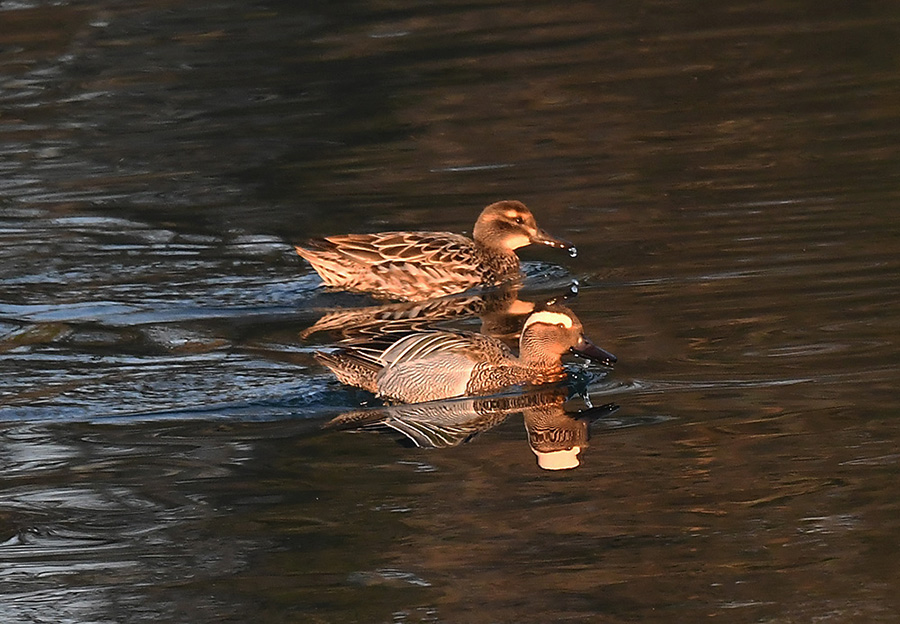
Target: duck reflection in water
pixel 556 436
pixel 501 311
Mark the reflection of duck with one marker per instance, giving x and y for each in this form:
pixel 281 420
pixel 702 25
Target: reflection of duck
pixel 423 265
pixel 555 436
pixel 430 365
pixel 502 315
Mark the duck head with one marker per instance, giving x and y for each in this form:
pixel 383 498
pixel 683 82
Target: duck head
pixel 553 331
pixel 509 225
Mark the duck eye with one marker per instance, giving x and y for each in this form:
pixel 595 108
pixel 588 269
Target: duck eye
pixel 520 221
pixel 561 325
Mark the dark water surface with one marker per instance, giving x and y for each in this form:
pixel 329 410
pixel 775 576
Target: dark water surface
pixel 730 172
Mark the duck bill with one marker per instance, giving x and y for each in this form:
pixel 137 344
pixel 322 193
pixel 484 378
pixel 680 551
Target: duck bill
pixel 542 238
pixel 588 349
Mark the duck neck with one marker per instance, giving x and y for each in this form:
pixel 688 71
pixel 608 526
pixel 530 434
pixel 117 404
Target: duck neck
pixel 543 363
pixel 499 261
pixel 543 374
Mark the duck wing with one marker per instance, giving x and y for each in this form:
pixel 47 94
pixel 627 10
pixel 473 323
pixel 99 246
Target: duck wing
pixel 421 345
pixel 400 265
pixel 413 247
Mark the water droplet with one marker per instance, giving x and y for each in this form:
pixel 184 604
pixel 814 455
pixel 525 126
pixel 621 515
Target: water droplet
pixel 573 251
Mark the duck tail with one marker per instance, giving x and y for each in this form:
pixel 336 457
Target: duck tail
pixel 350 368
pixel 325 261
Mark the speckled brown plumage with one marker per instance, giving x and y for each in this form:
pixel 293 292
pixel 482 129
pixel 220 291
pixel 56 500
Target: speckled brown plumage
pixel 424 265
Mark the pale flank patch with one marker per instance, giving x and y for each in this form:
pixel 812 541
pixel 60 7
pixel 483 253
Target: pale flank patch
pixel 551 318
pixel 438 376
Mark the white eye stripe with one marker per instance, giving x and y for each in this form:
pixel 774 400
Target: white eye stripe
pixel 551 318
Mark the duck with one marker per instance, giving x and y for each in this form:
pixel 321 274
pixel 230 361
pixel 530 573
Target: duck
pixel 413 266
pixel 442 364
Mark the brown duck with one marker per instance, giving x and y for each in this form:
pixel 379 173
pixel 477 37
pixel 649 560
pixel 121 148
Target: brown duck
pixel 424 265
pixel 430 365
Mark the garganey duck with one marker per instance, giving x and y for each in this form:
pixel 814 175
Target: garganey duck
pixel 430 365
pixel 424 265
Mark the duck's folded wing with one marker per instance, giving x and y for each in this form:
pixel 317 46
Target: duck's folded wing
pixel 421 345
pixel 413 247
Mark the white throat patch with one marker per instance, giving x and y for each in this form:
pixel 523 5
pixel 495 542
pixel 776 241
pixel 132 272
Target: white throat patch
pixel 551 318
pixel 519 240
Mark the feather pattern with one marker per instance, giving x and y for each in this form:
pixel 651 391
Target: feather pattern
pixel 424 344
pixel 423 265
pixel 430 365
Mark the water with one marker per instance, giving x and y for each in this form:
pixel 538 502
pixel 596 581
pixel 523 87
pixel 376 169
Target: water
pixel 729 175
